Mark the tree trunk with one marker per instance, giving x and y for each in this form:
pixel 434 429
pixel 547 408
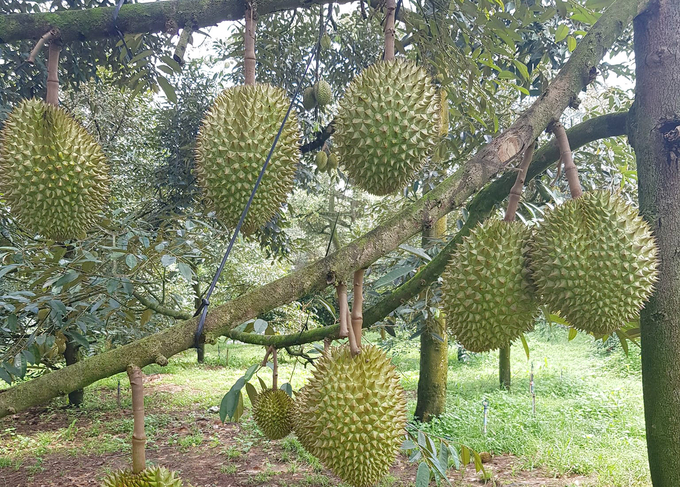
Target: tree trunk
pixel 75 398
pixel 504 368
pixel 434 353
pixel 655 128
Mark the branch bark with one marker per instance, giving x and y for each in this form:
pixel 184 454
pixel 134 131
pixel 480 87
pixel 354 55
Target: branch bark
pixel 450 194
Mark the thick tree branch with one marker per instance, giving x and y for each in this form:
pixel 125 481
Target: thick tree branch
pixel 450 194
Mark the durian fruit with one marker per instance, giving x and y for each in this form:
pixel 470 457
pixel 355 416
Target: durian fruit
pixel 321 160
pixel 387 125
pixel 594 260
pixel 53 174
pixel 332 161
pixel 273 411
pixel 352 413
pixel 487 296
pixel 323 93
pixel 150 477
pixel 308 99
pixel 326 41
pixel 234 140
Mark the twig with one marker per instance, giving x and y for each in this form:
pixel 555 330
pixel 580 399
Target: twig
pixel 275 374
pixel 48 36
pixel 516 190
pixel 342 309
pixel 391 7
pixel 570 170
pixel 358 305
pixel 182 45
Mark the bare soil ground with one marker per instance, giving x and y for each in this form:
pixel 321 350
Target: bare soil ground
pixel 218 454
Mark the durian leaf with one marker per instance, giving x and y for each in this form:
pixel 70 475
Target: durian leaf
pixel 230 400
pixel 250 372
pixel 70 276
pixel 5 376
pixel 252 393
pixel 416 251
pixel 262 383
pixel 391 276
pixel 8 268
pixel 287 388
pixel 423 475
pixel 573 332
pixel 168 260
pixel 186 272
pixel 239 407
pixel 329 307
pixel 465 455
pixel 478 461
pixel 553 318
pixel 167 89
pixel 260 326
pixel 131 261
pixel 146 316
pixel 525 345
pixel 454 455
pixel 623 340
pixel 443 455
pixel 561 33
pixel 408 445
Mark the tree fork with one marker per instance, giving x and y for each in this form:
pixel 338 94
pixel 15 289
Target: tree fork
pixel 452 193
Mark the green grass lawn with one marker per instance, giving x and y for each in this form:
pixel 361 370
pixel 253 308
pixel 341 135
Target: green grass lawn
pixel 588 421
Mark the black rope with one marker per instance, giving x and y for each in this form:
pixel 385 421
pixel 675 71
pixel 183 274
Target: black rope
pixel 128 52
pixel 205 302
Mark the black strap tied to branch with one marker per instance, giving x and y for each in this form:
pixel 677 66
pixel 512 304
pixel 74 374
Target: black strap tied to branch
pixel 203 308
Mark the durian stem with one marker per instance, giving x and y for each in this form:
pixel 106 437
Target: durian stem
pixel 182 44
pixel 353 345
pixel 516 190
pixel 570 170
pixel 391 7
pixel 53 73
pixel 138 436
pixel 358 305
pixel 342 309
pixel 275 374
pixel 266 356
pixel 48 36
pixel 249 41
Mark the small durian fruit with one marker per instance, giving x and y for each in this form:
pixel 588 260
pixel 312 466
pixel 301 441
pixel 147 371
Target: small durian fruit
pixel 234 140
pixel 387 126
pixel 594 260
pixel 323 93
pixel 332 161
pixel 308 99
pixel 486 294
pixel 150 477
pixel 321 160
pixel 53 174
pixel 273 411
pixel 326 41
pixel 352 414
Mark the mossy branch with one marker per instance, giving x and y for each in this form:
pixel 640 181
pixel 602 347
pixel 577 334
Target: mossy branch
pixel 452 193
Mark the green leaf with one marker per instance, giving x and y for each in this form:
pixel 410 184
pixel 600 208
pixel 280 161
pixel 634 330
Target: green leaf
pixel 262 383
pixel 5 376
pixel 423 475
pixel 287 388
pixel 478 461
pixel 186 272
pixel 167 89
pixel 70 276
pixel 230 400
pixel 525 345
pixel 522 68
pixel 146 316
pixel 168 260
pixel 571 43
pixel 465 455
pixel 252 393
pixel 573 332
pixel 393 275
pixel 250 372
pixel 623 340
pixel 239 407
pixel 131 261
pixel 443 455
pixel 562 33
pixel 416 251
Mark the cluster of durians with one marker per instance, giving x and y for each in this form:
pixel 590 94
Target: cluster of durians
pixel 593 260
pixel 350 415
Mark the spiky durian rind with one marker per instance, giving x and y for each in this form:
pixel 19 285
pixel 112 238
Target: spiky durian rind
pixel 387 125
pixel 234 140
pixel 150 477
pixel 352 413
pixel 273 413
pixel 53 173
pixel 487 296
pixel 323 93
pixel 594 260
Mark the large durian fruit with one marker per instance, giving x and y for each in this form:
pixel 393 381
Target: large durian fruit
pixel 387 126
pixel 234 140
pixel 487 296
pixel 352 413
pixel 594 260
pixel 53 173
pixel 273 411
pixel 150 477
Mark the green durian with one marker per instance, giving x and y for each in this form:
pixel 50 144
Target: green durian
pixel 323 93
pixel 321 160
pixel 594 260
pixel 486 293
pixel 150 477
pixel 234 140
pixel 53 174
pixel 387 126
pixel 326 41
pixel 308 99
pixel 332 161
pixel 273 411
pixel 352 414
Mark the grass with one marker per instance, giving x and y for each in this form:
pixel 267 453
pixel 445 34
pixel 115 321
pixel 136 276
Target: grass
pixel 589 417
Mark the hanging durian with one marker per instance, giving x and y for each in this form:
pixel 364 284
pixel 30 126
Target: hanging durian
pixel 149 477
pixel 487 296
pixel 321 160
pixel 323 93
pixel 234 140
pixel 594 260
pixel 387 126
pixel 352 413
pixel 273 412
pixel 308 100
pixel 53 174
